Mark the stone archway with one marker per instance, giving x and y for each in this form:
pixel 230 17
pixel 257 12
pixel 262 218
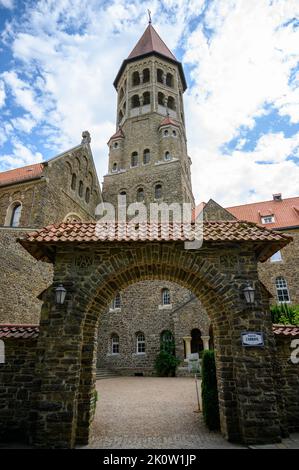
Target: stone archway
pixel 92 271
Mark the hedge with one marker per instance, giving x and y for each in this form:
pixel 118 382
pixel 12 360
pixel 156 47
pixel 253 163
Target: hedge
pixel 209 391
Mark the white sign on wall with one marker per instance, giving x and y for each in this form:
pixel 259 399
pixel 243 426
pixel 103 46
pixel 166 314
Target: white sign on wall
pixel 252 338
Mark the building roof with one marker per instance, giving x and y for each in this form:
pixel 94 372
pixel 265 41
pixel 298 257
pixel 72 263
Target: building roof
pixel 150 42
pixel 286 330
pixel 25 173
pixel 41 243
pixel 117 135
pixel 169 122
pixel 32 331
pixel 285 211
pixel 19 331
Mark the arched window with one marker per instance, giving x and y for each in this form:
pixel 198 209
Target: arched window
pixel 87 195
pixel 115 145
pixel 135 79
pixel 171 103
pixel 114 167
pixel 166 341
pixel 282 289
pixel 140 194
pixel 161 99
pixel 159 75
pixel 114 343
pixel 174 133
pixel 146 75
pixel 158 191
pixel 140 343
pixel 196 341
pixel 116 302
pixel 134 159
pixel 146 98
pixel 16 215
pixel 165 133
pixel 81 188
pixel 167 156
pixel 165 297
pixel 169 80
pixel 121 94
pixel 135 102
pixel 123 193
pixel 146 156
pixel 74 181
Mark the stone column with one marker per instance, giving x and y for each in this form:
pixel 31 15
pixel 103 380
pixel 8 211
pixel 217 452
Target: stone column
pixel 205 340
pixel 187 340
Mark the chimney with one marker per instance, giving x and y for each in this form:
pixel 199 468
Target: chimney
pixel 277 197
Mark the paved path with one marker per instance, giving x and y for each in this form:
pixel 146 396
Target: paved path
pixel 150 412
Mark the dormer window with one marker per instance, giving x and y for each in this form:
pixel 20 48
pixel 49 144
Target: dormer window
pixel 277 197
pixel 268 219
pixel 115 145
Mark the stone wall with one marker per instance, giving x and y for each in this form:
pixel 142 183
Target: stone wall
pixel 17 388
pixel 22 280
pixel 141 311
pixel 288 381
pixel 288 268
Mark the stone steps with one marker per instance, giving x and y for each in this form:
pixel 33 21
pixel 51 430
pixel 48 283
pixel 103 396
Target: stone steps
pixel 105 374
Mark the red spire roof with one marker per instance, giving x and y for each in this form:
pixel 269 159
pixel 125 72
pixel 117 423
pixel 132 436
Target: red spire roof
pixel 168 121
pixel 149 42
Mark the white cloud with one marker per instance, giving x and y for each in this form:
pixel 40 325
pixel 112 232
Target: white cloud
pixel 21 155
pixel 24 123
pixel 24 94
pixel 2 94
pixel 7 4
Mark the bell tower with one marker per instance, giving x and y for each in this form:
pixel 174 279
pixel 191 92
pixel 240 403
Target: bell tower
pixel 148 160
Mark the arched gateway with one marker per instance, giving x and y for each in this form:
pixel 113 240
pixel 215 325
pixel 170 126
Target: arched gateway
pixel 92 265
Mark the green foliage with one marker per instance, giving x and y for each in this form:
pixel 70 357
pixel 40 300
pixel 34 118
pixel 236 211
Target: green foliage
pixel 166 362
pixel 285 314
pixel 209 391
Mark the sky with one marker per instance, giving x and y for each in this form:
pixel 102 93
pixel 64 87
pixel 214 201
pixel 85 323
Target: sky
pixel 58 60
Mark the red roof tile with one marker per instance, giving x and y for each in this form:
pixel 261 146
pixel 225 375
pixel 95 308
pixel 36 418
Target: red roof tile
pixel 285 211
pixel 19 331
pixel 168 121
pixel 149 42
pixel 226 231
pixel 286 330
pixel 118 135
pixel 21 174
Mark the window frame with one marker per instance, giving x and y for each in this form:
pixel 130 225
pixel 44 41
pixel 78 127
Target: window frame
pixel 282 290
pixel 114 343
pixel 140 343
pixel 15 216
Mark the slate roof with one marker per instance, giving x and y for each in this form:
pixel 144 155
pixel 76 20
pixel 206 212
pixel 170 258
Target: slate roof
pixel 266 241
pixel 149 42
pixel 25 173
pixel 285 211
pixel 19 331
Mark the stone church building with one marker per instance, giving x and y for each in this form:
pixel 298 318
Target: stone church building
pixel 148 162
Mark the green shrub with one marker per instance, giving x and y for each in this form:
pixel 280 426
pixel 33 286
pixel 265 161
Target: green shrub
pixel 209 391
pixel 286 314
pixel 166 364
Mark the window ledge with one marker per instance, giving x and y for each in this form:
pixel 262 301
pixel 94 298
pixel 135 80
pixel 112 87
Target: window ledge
pixel 165 307
pixel 114 310
pixel 139 354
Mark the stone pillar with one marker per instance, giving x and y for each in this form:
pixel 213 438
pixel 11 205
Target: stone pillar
pixel 187 340
pixel 205 340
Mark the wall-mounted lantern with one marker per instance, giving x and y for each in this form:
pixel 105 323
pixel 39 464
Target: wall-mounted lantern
pixel 60 293
pixel 249 294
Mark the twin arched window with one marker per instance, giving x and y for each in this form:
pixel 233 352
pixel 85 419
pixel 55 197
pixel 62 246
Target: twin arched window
pixel 135 101
pixel 143 77
pixel 282 290
pixel 166 79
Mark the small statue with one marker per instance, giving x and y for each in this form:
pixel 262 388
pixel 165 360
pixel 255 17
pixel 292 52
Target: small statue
pixel 86 139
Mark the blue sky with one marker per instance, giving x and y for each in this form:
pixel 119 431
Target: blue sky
pixel 58 60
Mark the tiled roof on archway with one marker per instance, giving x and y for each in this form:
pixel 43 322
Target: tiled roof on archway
pixel 266 242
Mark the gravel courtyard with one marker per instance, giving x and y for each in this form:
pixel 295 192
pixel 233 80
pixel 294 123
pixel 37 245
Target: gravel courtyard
pixel 150 412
